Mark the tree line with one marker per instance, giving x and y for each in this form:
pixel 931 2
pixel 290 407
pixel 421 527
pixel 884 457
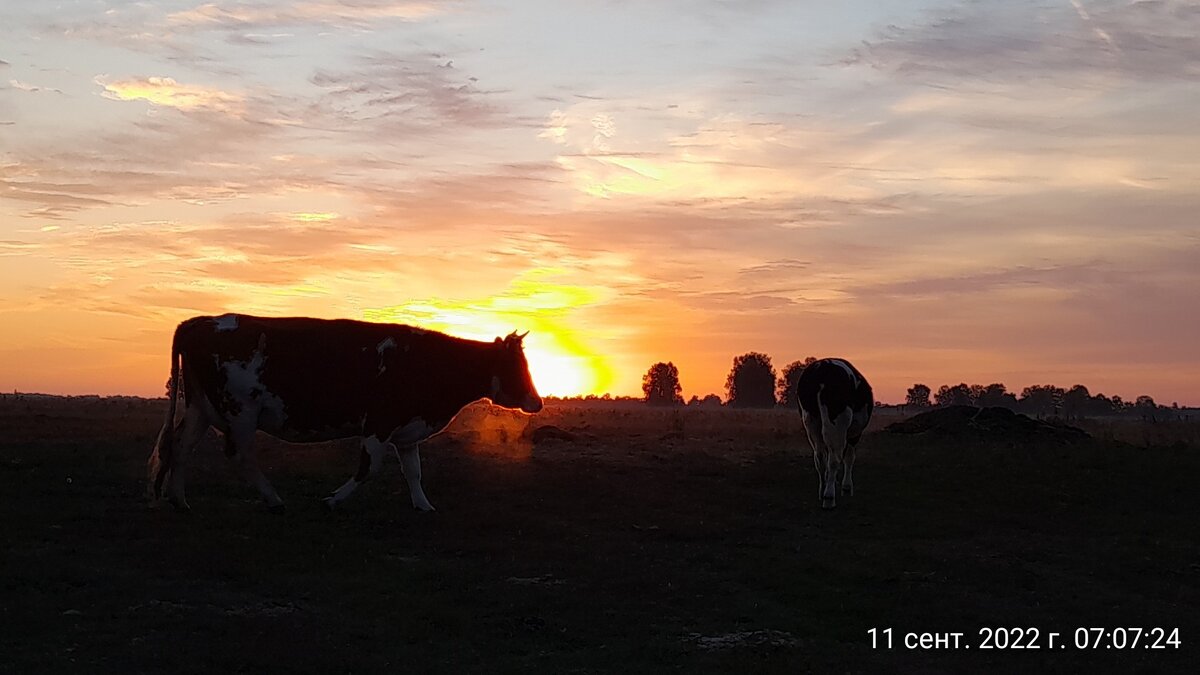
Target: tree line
pixel 1042 400
pixel 753 383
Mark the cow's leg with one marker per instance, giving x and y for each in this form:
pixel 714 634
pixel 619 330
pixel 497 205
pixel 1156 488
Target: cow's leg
pixel 812 427
pixel 370 460
pixel 834 434
pixel 820 452
pixel 848 462
pixel 188 433
pixel 858 425
pixel 410 461
pixel 239 445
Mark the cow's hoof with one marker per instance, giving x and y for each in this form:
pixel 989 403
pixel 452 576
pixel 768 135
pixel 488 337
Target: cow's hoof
pixel 427 508
pixel 328 503
pixel 828 504
pixel 848 491
pixel 181 506
pixel 277 509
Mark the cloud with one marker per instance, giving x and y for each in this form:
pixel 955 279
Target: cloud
pixel 1000 40
pixel 399 95
pixel 694 161
pixel 25 86
pixel 12 247
pixel 356 13
pixel 166 92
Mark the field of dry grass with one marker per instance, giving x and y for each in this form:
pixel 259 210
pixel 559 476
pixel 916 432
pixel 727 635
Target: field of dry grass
pixel 637 540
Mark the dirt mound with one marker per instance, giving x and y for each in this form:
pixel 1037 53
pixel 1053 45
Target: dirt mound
pixel 550 432
pixel 986 424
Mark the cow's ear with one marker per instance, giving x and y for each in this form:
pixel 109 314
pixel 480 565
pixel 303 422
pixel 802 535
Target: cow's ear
pixel 498 341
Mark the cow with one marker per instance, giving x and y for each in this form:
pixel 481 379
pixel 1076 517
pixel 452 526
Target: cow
pixel 309 380
pixel 836 403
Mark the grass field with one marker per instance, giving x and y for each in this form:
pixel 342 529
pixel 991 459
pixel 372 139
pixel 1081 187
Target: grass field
pixel 652 541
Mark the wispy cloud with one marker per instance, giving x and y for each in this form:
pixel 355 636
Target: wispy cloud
pixel 165 91
pixel 32 88
pixel 324 12
pixel 993 39
pixel 396 95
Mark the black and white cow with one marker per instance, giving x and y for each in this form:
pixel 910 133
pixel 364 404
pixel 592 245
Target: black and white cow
pixel 307 380
pixel 836 403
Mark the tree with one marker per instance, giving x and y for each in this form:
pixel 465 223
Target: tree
pixel 709 401
pixel 959 394
pixel 1118 404
pixel 996 394
pixel 751 382
pixel 1146 406
pixel 1076 401
pixel 1101 405
pixel 1042 399
pixel 918 396
pixel 661 385
pixel 787 381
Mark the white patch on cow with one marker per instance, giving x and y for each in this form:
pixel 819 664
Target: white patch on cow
pixel 226 322
pixel 243 383
pixel 374 449
pixel 833 440
pixel 849 371
pixel 405 441
pixel 383 346
pixel 241 377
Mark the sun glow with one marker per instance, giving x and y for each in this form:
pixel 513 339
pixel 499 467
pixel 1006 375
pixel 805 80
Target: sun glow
pixel 559 362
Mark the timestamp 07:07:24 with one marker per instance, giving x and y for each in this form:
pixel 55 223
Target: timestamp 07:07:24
pixel 1030 638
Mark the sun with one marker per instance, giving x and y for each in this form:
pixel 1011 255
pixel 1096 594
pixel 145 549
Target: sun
pixel 558 373
pixel 560 362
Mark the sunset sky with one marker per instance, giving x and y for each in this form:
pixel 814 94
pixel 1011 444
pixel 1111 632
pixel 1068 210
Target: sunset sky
pixel 940 192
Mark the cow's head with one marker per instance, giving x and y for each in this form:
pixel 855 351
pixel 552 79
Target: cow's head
pixel 511 385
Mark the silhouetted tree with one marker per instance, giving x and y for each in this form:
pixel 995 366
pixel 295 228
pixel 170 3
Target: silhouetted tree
pixel 918 396
pixel 1146 407
pixel 1100 405
pixel 709 401
pixel 959 394
pixel 787 381
pixel 751 382
pixel 1076 401
pixel 1042 399
pixel 996 394
pixel 661 385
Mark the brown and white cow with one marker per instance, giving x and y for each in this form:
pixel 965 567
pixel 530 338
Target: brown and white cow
pixel 307 380
pixel 836 403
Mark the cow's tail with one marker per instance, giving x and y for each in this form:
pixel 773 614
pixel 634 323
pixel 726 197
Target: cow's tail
pixel 164 448
pixel 822 407
pixel 833 427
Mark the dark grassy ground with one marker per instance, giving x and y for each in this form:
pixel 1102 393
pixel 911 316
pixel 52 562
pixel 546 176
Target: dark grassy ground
pixel 637 547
